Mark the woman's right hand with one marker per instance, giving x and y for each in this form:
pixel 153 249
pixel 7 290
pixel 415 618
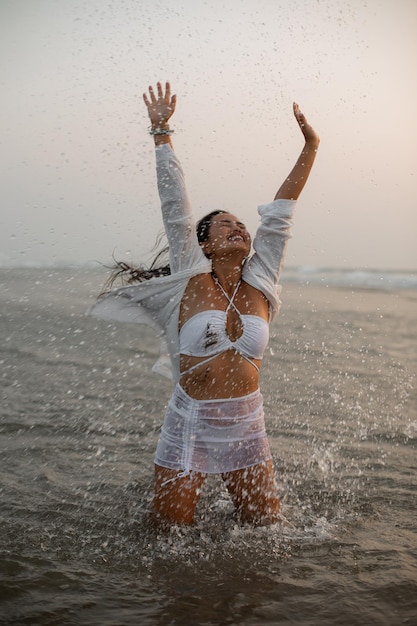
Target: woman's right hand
pixel 162 107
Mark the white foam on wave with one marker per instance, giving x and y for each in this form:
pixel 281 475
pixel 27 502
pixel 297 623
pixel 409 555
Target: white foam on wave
pixel 354 278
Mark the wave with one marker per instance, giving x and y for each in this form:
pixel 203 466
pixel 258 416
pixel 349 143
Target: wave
pixel 386 280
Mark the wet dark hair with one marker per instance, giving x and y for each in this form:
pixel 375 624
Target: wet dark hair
pixel 203 226
pixel 129 274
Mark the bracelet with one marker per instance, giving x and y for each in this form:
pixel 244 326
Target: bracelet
pixel 160 131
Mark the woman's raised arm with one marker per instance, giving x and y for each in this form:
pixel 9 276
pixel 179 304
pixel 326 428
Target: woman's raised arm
pixel 184 250
pixel 294 183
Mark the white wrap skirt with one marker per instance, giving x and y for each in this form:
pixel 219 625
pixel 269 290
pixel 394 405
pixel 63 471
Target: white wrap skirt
pixel 212 436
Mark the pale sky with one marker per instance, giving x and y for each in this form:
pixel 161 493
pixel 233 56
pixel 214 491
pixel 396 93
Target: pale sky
pixel 78 180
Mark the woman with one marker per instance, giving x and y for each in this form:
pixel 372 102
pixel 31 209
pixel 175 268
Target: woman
pixel 214 309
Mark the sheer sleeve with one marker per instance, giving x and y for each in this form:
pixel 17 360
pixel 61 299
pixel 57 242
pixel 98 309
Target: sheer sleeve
pixel 184 249
pixel 263 269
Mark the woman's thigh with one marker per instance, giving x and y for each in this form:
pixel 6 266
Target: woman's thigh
pixel 254 493
pixel 175 499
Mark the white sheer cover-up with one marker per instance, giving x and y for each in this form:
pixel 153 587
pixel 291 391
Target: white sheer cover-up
pixel 212 436
pixel 156 302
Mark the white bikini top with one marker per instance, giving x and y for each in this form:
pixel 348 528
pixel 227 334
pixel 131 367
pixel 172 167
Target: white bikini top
pixel 205 335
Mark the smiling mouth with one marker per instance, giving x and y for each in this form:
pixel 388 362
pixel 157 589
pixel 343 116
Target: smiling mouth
pixel 236 238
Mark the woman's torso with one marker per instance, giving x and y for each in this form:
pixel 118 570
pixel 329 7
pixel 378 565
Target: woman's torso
pixel 229 374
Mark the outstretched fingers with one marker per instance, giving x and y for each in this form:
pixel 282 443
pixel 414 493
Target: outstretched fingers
pixel 160 93
pixel 160 103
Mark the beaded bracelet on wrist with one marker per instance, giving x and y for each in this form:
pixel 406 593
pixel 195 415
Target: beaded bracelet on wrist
pixel 160 131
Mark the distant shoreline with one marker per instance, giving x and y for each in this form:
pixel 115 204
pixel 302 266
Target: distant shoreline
pixel 356 279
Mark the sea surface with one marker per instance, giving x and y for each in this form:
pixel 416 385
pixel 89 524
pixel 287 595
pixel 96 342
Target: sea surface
pixel 80 416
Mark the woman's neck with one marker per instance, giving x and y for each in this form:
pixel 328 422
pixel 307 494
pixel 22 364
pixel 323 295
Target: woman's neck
pixel 228 275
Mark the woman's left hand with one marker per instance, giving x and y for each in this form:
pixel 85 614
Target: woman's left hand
pixel 308 131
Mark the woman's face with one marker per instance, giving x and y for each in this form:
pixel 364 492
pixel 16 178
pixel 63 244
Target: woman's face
pixel 227 234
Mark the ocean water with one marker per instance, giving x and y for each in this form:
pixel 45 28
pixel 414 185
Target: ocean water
pixel 80 415
pixel 353 278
